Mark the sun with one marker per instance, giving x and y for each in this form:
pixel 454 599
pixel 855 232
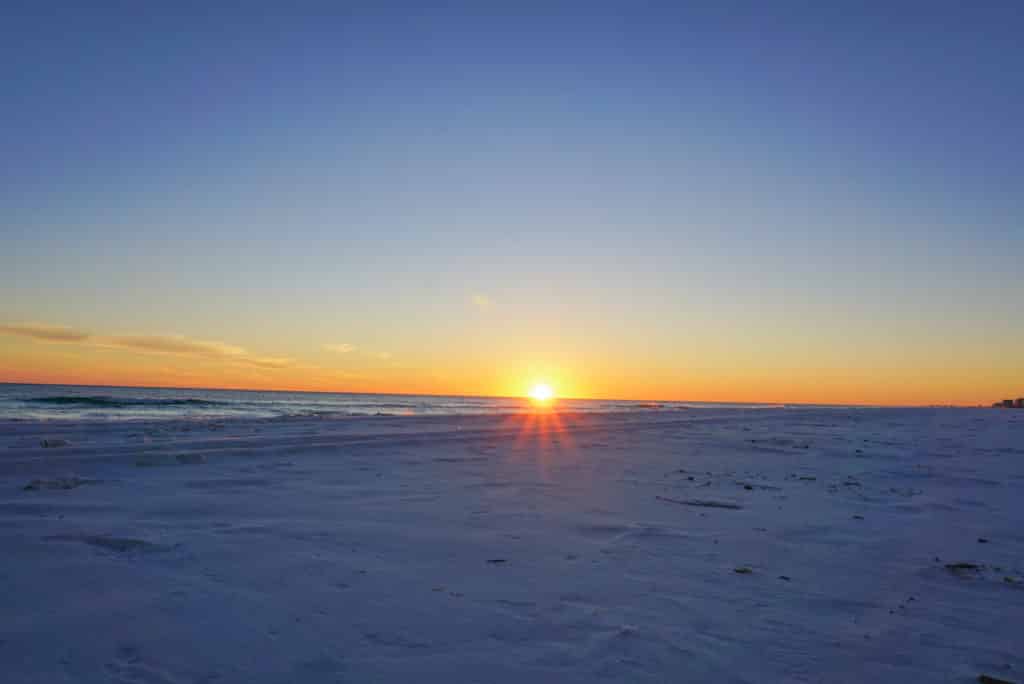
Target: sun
pixel 542 393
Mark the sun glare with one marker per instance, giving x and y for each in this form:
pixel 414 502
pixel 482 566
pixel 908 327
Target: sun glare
pixel 542 393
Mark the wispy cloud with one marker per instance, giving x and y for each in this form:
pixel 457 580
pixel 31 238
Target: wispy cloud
pixel 178 345
pixel 181 345
pixel 482 302
pixel 268 361
pixel 175 344
pixel 351 349
pixel 42 331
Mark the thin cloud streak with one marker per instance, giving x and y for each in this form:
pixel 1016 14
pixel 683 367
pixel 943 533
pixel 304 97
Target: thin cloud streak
pixel 42 331
pixel 268 361
pixel 482 302
pixel 345 348
pixel 177 345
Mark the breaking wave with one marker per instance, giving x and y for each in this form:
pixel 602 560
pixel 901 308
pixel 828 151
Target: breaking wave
pixel 113 403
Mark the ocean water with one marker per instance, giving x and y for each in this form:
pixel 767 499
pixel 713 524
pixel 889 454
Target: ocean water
pixel 79 402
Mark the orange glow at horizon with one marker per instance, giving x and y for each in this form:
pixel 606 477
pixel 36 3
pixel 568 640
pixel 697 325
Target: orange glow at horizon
pixel 578 372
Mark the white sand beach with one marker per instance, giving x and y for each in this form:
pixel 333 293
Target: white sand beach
pixel 798 545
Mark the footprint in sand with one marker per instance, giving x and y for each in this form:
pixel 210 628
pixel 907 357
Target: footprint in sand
pixel 118 544
pixel 57 483
pixel 153 460
pixel 318 668
pixel 129 666
pixel 229 483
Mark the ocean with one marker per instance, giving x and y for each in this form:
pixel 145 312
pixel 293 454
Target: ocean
pixel 80 402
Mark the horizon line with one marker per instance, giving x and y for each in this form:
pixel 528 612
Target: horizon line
pixel 494 396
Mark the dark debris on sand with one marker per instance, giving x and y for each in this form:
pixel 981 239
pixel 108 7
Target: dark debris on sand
pixel 989 679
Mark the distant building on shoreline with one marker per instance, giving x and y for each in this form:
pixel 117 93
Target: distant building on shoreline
pixel 1010 403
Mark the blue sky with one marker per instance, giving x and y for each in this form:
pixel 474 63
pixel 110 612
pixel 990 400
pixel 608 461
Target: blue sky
pixel 620 169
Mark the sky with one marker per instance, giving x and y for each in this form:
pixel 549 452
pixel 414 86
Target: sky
pixel 722 201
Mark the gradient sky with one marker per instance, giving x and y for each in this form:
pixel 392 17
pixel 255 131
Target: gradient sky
pixel 815 202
